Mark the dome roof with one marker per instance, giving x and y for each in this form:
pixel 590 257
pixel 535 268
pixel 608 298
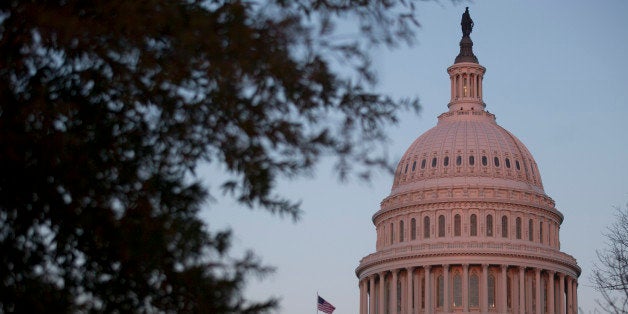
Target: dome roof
pixel 467 148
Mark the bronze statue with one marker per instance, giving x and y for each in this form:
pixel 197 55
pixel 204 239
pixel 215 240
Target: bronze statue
pixel 466 23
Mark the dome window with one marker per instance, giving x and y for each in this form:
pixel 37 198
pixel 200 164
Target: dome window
pixel 518 228
pixel 474 225
pixel 517 165
pixel 484 161
pixel 457 225
pixel 496 161
pixel 426 227
pixel 413 229
pixel 474 291
pixel 441 226
pixel 413 165
pixel 541 231
pixel 434 160
pixel 446 161
pixel 471 160
pixel 423 164
pixel 489 226
pixel 507 163
pixel 458 160
pixel 504 227
pixel 406 171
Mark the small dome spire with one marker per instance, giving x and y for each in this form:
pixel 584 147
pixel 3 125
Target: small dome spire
pixel 466 44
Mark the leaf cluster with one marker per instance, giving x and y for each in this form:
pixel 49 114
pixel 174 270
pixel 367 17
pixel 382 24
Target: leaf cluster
pixel 108 107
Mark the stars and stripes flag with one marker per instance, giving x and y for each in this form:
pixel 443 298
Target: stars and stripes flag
pixel 325 306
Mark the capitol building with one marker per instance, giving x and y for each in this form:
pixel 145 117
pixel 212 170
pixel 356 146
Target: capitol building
pixel 467 227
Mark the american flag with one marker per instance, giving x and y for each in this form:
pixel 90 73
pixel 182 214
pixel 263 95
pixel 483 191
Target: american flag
pixel 325 306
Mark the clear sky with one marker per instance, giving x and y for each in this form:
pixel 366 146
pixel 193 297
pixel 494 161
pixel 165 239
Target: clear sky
pixel 557 78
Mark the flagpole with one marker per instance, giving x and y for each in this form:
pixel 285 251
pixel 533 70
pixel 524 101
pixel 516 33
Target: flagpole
pixel 316 302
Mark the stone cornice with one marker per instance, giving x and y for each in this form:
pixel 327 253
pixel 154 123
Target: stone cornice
pixel 523 253
pixel 453 205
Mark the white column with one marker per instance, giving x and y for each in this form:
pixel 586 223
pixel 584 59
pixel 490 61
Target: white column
pixel 570 308
pixel 477 86
pixel 529 296
pixel 428 290
pixel 382 293
pixel 451 78
pixel 409 294
pixel 537 274
pixel 561 293
pixel 371 295
pixel 446 288
pixel 503 297
pixel 465 288
pixel 361 285
pixel 458 88
pixel 515 294
pixel 550 292
pixel 522 289
pixel 481 87
pixel 575 295
pixel 484 289
pixel 393 292
pixel 417 291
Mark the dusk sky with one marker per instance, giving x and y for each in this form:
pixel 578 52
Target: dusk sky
pixel 556 77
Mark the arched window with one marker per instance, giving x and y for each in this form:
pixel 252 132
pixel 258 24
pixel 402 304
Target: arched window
pixel 474 291
pixel 457 301
pixel 401 231
pixel 507 163
pixel 541 231
pixel 446 161
pixel 423 164
pixel 434 161
pixel 458 160
pixel 491 291
pixel 518 227
pixel 457 225
pixel 440 291
pixel 406 171
pixel 441 226
pixel 489 225
pixel 426 227
pixel 392 233
pixel 504 227
pixel 474 225
pixel 413 229
pixel 517 165
pixel 484 161
pixel 496 161
pixel 413 165
pixel 530 230
pixel 471 160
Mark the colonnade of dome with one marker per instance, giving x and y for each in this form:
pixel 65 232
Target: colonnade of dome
pixel 467 227
pixel 468 287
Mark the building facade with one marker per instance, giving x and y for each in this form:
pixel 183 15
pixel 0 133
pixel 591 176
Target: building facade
pixel 467 227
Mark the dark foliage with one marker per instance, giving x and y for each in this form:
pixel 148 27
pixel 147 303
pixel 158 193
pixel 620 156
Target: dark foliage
pixel 108 107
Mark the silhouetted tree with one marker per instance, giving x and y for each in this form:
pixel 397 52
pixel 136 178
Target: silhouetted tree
pixel 108 107
pixel 610 274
